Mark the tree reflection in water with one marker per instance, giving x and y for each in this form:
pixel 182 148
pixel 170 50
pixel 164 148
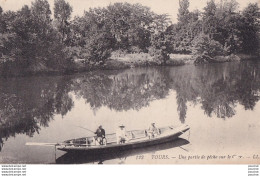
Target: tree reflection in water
pixel 131 89
pixel 217 87
pixel 27 104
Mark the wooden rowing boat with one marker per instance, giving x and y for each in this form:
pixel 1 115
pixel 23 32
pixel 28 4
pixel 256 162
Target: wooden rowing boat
pixel 90 157
pixel 139 139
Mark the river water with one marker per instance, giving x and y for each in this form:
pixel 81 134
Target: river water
pixel 220 103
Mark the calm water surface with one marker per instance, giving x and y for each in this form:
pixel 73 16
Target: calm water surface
pixel 220 102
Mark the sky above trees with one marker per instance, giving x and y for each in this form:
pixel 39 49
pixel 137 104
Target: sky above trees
pixel 158 6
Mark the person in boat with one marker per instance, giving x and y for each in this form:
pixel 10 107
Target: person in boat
pixel 153 131
pixel 1 143
pixel 121 136
pixel 101 135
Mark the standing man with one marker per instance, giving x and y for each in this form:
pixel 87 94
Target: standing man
pixel 101 135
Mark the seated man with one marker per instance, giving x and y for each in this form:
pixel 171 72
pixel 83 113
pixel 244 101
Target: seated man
pixel 153 131
pixel 121 136
pixel 101 135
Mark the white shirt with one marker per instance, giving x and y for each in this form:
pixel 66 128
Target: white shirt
pixel 121 132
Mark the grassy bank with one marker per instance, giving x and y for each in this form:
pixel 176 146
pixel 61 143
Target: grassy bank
pixel 125 60
pixel 221 59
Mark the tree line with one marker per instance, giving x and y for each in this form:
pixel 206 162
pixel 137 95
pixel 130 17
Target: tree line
pixel 32 40
pixel 220 29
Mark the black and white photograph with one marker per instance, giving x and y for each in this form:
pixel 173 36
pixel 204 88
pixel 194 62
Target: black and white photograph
pixel 129 82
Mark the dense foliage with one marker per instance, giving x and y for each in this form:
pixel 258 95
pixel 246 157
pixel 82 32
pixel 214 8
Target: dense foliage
pixel 221 25
pixel 31 41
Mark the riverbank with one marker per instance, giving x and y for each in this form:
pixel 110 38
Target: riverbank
pixel 119 61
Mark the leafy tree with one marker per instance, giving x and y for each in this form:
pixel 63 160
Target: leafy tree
pixel 233 38
pixel 22 27
pixel 227 7
pixel 180 35
pixel 129 27
pixel 98 48
pixel 29 42
pixel 160 48
pixel 184 14
pixel 133 25
pixel 62 14
pixel 90 40
pixel 8 48
pixel 250 29
pixel 48 50
pixel 228 20
pixel 210 20
pixel 41 12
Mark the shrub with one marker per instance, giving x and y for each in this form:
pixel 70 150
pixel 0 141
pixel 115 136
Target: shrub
pixel 160 56
pixel 135 49
pixel 205 48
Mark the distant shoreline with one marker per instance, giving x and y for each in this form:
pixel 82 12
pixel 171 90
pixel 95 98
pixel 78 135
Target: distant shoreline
pixel 127 61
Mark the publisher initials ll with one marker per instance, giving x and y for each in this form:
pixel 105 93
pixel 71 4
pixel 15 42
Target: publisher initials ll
pixel 256 157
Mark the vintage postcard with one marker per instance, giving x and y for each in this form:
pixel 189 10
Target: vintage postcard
pixel 129 82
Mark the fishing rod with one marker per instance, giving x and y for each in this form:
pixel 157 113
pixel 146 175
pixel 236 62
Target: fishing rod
pixel 86 129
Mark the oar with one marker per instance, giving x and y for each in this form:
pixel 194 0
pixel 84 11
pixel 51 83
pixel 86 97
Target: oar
pixel 42 144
